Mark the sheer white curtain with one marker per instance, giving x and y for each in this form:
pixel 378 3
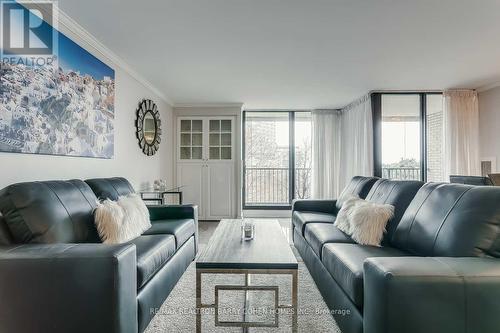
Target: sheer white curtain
pixel 325 153
pixel 461 133
pixel 357 140
pixel 342 147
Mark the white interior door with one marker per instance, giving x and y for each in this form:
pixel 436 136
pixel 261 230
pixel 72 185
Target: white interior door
pixel 190 168
pixel 220 168
pixel 192 177
pixel 220 187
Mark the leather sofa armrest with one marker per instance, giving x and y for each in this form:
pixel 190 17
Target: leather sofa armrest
pixel 431 294
pixel 166 212
pixel 314 205
pixel 68 288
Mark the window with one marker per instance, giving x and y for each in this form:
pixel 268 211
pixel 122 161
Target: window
pixel 434 126
pixel 408 136
pixel 401 137
pixel 277 153
pixel 303 155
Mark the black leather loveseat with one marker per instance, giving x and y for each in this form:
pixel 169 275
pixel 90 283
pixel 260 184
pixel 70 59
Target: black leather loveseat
pixel 437 271
pixel 56 275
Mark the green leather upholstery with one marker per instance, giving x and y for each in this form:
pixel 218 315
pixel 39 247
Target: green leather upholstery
pixel 110 188
pixel 50 212
pixel 345 263
pixel 301 219
pixel 451 220
pixel 62 285
pixel 68 288
pixel 325 211
pixel 437 271
pixel 5 234
pixel 153 252
pixel 398 193
pixel 319 234
pixel 182 229
pixel 433 295
pixel 162 218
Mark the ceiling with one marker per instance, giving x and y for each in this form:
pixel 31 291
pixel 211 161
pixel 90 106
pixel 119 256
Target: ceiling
pixel 297 53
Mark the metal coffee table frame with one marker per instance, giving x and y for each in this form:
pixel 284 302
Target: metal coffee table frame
pixel 246 287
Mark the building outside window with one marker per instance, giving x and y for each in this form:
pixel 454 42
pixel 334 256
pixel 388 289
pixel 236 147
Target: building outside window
pixel 277 153
pixel 408 136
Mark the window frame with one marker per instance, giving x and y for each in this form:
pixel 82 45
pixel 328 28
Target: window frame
pixel 376 98
pixel 291 161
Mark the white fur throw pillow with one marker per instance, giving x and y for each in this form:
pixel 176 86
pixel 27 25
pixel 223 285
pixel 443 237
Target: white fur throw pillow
pixel 368 221
pixel 122 220
pixel 343 217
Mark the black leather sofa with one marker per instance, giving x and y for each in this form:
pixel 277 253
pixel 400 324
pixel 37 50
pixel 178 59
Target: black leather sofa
pixel 438 268
pixel 56 275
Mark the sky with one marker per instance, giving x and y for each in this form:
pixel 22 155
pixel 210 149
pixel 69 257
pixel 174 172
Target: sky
pixel 400 140
pixel 72 56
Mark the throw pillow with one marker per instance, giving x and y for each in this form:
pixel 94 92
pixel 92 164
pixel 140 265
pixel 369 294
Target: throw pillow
pixel 342 221
pixel 122 220
pixel 368 221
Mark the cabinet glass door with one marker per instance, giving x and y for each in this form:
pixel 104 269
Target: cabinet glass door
pixel 220 139
pixel 191 139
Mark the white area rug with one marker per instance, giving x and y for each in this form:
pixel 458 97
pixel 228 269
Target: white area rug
pixel 177 314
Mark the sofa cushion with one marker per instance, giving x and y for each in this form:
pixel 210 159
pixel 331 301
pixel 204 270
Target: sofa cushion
pixel 122 220
pixel 368 221
pixel 182 229
pixel 345 264
pixel 50 212
pixel 397 193
pixel 153 251
pixel 451 220
pixel 5 234
pixel 318 234
pixel 358 186
pixel 110 188
pixel 300 219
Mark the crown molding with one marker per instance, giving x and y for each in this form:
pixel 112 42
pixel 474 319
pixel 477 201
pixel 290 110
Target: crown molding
pixel 208 105
pixel 110 58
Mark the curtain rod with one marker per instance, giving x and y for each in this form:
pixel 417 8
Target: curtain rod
pixel 356 102
pixel 405 91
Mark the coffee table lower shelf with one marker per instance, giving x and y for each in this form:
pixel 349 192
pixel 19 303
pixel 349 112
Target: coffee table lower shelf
pixel 246 287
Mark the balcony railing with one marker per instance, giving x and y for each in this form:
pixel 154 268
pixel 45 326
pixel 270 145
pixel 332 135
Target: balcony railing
pixel 270 186
pixel 404 173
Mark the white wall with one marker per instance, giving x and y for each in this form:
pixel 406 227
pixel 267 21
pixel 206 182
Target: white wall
pixel 129 161
pixel 489 124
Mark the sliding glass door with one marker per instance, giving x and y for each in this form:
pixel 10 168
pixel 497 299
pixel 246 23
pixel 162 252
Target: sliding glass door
pixel 408 136
pixel 303 155
pixel 277 153
pixel 401 137
pixel 267 159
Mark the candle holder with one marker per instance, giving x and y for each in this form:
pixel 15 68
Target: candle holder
pixel 247 230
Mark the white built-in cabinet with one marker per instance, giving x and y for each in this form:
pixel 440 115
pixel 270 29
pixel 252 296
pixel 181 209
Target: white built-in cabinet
pixel 206 164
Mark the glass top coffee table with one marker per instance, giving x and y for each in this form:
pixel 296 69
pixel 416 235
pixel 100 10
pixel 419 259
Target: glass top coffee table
pixel 268 253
